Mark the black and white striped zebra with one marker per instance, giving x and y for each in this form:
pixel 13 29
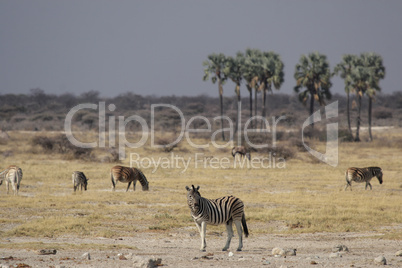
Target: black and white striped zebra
pixel 362 175
pixel 79 179
pixel 130 175
pixel 12 175
pixel 227 209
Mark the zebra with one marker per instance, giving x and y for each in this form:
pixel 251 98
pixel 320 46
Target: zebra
pixel 227 209
pixel 242 151
pixel 127 174
pixel 79 179
pixel 362 175
pixel 12 175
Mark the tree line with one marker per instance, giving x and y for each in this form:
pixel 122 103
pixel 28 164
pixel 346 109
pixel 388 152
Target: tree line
pixel 262 71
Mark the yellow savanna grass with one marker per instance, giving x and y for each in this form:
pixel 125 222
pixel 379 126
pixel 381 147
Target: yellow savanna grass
pixel 298 196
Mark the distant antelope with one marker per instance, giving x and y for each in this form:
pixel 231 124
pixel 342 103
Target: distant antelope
pixel 362 175
pixel 127 174
pixel 242 151
pixel 12 175
pixel 79 179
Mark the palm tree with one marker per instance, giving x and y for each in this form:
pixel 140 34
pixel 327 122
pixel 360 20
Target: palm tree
pixel 272 74
pixel 312 73
pixel 344 69
pixel 360 77
pixel 234 71
pixel 250 76
pixel 376 70
pixel 215 65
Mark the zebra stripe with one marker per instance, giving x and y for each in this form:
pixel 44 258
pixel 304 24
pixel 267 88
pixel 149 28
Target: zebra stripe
pixel 79 179
pixel 227 209
pixel 362 175
pixel 12 175
pixel 127 174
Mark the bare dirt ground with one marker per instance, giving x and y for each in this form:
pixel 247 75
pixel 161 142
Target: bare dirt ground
pixel 181 249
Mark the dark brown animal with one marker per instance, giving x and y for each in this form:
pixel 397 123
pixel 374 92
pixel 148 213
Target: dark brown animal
pixel 242 151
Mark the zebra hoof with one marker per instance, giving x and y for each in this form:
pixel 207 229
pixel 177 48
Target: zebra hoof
pixel 202 250
pixel 224 249
pixel 239 249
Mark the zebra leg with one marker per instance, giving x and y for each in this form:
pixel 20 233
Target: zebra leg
pixel 129 183
pixel 202 228
pixel 113 182
pixel 240 233
pixel 229 229
pixel 369 184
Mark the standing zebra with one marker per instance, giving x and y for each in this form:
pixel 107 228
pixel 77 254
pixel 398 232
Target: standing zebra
pixel 12 175
pixel 362 175
pixel 127 174
pixel 242 151
pixel 227 209
pixel 79 179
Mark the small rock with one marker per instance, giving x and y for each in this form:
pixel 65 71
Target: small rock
pixel 313 262
pixel 140 262
pixel 381 260
pixel 290 251
pixel 278 252
pixel 339 248
pixel 230 254
pixel 335 255
pixel 122 257
pixel 47 252
pixel 266 262
pixel 398 253
pixel 86 255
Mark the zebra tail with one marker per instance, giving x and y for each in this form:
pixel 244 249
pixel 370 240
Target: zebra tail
pixel 243 222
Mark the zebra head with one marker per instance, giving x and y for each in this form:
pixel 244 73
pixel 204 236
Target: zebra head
pixel 193 197
pixel 86 184
pixel 378 174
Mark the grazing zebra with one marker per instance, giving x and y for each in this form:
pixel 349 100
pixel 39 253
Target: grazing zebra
pixel 362 175
pixel 12 175
pixel 79 179
pixel 127 174
pixel 227 209
pixel 242 151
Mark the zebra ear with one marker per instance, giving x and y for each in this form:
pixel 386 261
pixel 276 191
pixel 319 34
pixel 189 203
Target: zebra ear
pixel 198 187
pixel 188 188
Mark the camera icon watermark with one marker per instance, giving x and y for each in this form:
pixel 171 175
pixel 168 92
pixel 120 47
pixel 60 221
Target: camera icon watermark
pixel 330 156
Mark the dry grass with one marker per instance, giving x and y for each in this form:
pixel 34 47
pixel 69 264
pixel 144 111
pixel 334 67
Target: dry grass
pixel 302 197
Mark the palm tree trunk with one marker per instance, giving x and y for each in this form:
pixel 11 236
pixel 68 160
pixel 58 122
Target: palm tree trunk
pixel 359 104
pixel 369 119
pixel 255 103
pixel 263 113
pixel 312 108
pixel 238 117
pixel 221 102
pixel 348 113
pixel 251 104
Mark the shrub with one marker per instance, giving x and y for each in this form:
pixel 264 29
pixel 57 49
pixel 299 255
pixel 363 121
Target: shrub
pixel 382 113
pixel 44 142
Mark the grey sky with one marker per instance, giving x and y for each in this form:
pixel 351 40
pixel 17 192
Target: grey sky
pixel 157 47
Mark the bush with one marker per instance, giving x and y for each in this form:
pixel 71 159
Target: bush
pixel 60 144
pixel 44 142
pixel 382 113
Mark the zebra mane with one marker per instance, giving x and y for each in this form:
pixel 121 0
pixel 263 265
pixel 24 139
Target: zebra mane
pixel 144 181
